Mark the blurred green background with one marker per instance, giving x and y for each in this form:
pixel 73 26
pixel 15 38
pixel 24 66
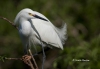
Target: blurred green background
pixel 83 24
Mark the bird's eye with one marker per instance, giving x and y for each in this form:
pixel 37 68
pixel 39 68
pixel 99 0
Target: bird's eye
pixel 30 14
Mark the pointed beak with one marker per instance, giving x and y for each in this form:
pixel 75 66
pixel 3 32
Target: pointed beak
pixel 36 16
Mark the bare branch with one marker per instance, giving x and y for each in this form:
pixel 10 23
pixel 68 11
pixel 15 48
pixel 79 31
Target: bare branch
pixel 33 59
pixel 13 58
pixel 8 21
pixel 30 63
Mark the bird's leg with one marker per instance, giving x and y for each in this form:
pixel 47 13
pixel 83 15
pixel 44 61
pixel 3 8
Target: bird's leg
pixel 26 57
pixel 44 56
pixel 26 49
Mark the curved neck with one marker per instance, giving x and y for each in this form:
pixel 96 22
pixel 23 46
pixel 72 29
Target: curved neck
pixel 24 24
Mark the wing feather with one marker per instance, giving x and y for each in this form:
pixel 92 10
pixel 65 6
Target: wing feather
pixel 47 33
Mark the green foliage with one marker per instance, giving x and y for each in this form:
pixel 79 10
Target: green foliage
pixel 87 51
pixel 83 22
pixel 2 58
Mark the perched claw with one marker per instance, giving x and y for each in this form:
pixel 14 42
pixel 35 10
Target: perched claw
pixel 26 59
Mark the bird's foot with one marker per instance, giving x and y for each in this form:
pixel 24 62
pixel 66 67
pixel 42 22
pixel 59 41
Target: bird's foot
pixel 26 59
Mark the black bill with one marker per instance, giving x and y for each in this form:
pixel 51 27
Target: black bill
pixel 40 18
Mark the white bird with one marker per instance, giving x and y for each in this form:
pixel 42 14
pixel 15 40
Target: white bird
pixel 34 28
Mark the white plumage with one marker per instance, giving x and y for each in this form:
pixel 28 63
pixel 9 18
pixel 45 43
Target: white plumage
pixel 27 19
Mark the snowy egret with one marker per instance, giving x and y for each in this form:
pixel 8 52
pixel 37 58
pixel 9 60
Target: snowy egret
pixel 34 28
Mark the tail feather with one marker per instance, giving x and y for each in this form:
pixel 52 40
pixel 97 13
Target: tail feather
pixel 62 32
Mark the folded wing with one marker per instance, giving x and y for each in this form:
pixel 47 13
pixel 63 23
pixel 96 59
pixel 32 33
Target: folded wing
pixel 47 33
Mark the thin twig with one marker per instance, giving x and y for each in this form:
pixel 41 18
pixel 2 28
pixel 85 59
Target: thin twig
pixel 13 58
pixel 30 63
pixel 33 59
pixel 9 21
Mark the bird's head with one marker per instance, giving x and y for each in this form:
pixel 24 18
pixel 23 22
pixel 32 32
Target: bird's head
pixel 28 14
